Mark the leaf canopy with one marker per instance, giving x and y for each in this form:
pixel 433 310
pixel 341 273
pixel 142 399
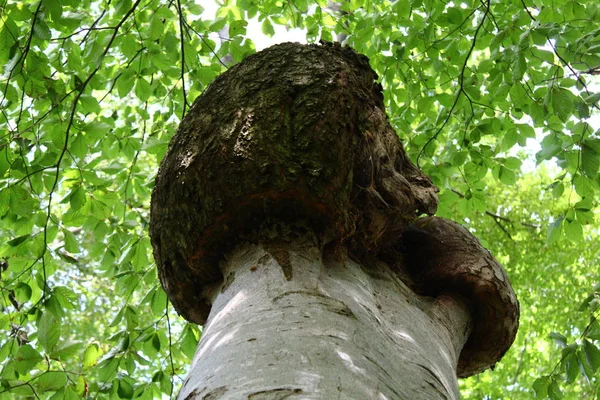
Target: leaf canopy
pixel 497 102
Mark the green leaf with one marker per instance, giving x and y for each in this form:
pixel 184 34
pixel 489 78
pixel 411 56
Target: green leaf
pixel 506 176
pixel 513 163
pixel 66 393
pixel 583 186
pixel 159 302
pixel 592 355
pixel 592 143
pixel 562 103
pixel 573 230
pixel 125 83
pixel 551 146
pixel 23 292
pixel 590 160
pixel 188 342
pixel 559 339
pixel 71 243
pixel 157 26
pixel 89 104
pixel 4 200
pixel 143 90
pixel 129 45
pixel 554 391
pixel 584 365
pixel 592 98
pixel 593 331
pixel 67 353
pixel 540 385
pixel 558 188
pixel 166 385
pixel 554 231
pixel 107 369
pixel 125 389
pixel 571 367
pixel 51 381
pixel 474 172
pixel 26 359
pixel 77 198
pixel 132 317
pixel 72 20
pixel 238 28
pixel 454 15
pixel 155 342
pixel 519 67
pixel 41 30
pixel 18 240
pixel 195 9
pixel 267 28
pixel 140 259
pixel 583 110
pixel 48 331
pixel 90 355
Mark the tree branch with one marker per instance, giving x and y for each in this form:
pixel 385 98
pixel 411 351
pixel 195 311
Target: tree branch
pixel 498 218
pixel 461 79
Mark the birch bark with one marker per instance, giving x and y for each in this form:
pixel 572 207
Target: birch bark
pixel 288 324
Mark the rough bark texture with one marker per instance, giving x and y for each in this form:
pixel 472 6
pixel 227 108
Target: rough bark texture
pixel 443 257
pixel 293 133
pixel 335 330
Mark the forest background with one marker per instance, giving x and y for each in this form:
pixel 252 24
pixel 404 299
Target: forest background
pixel 497 101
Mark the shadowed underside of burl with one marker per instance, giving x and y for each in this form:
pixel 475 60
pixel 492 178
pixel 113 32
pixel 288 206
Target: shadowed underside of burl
pixel 297 134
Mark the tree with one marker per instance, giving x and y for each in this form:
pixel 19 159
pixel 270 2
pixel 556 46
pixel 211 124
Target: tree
pixel 93 91
pixel 286 203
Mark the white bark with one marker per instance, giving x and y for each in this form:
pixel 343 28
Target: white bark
pixel 310 329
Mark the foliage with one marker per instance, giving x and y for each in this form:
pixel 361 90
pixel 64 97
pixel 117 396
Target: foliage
pixel 91 91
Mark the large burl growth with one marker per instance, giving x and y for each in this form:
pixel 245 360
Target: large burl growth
pixel 297 137
pixel 293 133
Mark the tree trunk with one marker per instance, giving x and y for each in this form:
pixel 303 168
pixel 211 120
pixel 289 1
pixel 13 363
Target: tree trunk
pixel 285 216
pixel 288 324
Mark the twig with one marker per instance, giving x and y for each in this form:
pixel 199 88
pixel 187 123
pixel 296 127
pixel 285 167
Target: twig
pixel 461 79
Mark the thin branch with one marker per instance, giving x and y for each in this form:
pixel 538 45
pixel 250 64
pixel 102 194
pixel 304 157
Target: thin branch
pixel 170 346
pixel 566 64
pixel 527 9
pixel 201 37
pixel 182 45
pixel 498 218
pixel 448 34
pixel 102 28
pixel 95 23
pixel 67 136
pixel 562 60
pixel 461 79
pixel 24 52
pixel 521 358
